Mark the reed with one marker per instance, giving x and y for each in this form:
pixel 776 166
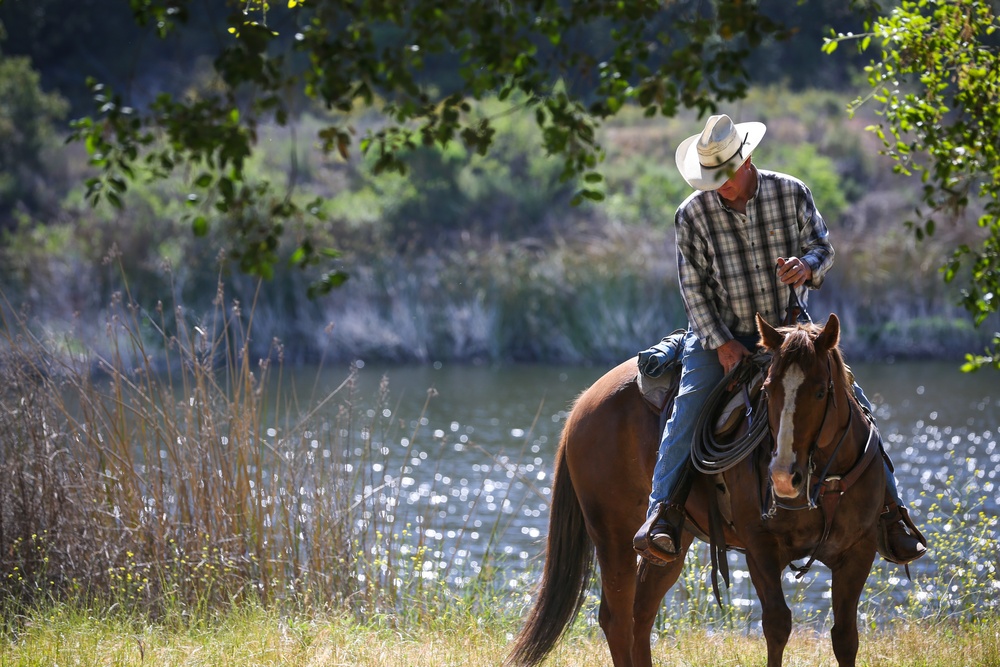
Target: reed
pixel 192 477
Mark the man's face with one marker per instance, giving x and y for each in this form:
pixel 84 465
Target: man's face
pixel 733 186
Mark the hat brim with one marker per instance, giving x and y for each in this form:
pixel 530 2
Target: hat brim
pixel 702 178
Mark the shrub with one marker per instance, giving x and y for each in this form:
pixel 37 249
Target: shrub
pixel 27 119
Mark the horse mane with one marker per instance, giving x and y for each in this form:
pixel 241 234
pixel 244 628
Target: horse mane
pixel 799 344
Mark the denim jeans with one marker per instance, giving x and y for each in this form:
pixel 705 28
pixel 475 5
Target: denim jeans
pixel 890 479
pixel 700 373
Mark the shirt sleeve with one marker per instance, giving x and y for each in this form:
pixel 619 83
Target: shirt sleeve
pixel 817 251
pixel 695 277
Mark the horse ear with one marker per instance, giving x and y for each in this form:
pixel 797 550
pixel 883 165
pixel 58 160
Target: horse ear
pixel 769 336
pixel 830 336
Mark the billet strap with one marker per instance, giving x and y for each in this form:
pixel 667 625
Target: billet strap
pixel 717 547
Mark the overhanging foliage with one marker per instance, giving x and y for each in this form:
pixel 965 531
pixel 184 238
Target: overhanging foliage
pixel 936 77
pixel 572 65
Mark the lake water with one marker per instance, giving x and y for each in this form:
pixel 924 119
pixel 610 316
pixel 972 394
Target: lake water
pixel 481 446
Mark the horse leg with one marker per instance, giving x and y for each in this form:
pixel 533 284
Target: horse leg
pixel 648 597
pixel 617 560
pixel 849 578
pixel 776 617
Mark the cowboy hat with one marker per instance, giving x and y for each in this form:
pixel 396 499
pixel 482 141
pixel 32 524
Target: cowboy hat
pixel 708 159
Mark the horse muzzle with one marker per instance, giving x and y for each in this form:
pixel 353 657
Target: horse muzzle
pixel 787 481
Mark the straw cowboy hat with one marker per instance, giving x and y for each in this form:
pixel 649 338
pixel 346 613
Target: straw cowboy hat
pixel 708 159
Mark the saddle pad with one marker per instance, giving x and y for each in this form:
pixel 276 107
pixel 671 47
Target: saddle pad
pixel 660 389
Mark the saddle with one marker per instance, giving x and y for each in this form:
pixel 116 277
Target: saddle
pixel 659 374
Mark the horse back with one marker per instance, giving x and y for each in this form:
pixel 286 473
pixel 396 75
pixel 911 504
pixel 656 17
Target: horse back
pixel 610 442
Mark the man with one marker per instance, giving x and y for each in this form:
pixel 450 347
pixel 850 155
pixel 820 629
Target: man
pixel 732 233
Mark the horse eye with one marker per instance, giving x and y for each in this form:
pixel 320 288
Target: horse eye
pixel 821 394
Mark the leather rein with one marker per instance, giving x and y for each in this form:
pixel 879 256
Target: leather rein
pixel 826 492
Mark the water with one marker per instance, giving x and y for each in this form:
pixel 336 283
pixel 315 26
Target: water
pixel 481 447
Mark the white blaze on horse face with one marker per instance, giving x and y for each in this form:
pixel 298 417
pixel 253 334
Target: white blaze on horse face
pixel 784 458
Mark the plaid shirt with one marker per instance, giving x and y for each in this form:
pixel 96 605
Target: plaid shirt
pixel 727 262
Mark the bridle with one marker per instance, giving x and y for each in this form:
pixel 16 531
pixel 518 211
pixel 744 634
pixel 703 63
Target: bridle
pixel 825 494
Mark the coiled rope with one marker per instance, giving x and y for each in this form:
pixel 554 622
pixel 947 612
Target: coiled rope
pixel 712 456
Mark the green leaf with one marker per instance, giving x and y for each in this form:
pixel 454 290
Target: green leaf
pixel 199 226
pixel 226 187
pixel 327 282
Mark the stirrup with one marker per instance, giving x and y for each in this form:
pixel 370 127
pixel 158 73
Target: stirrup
pixel 643 543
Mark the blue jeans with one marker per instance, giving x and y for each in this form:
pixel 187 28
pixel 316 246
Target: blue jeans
pixel 700 373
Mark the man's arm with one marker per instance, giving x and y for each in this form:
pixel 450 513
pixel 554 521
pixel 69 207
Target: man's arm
pixel 817 251
pixel 694 275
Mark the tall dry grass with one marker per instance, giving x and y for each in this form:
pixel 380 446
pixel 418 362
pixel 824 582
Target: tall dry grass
pixel 201 479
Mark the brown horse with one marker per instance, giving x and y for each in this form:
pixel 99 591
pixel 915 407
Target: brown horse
pixel 602 481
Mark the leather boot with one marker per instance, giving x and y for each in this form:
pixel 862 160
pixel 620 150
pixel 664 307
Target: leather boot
pixel 899 539
pixel 659 539
pixel 661 534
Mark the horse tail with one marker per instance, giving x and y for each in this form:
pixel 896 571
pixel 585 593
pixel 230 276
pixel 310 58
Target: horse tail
pixel 569 563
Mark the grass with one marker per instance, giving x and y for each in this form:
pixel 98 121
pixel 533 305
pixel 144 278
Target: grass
pixel 250 635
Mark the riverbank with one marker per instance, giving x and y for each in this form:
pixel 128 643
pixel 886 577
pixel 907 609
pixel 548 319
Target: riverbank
pixel 248 636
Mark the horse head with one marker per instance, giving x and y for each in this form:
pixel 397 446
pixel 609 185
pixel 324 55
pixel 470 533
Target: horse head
pixel 800 389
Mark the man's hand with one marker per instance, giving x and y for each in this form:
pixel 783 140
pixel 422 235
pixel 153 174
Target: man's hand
pixel 793 271
pixel 731 353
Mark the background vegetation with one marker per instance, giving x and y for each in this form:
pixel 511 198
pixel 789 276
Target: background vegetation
pixel 155 476
pixel 481 257
pixel 464 256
